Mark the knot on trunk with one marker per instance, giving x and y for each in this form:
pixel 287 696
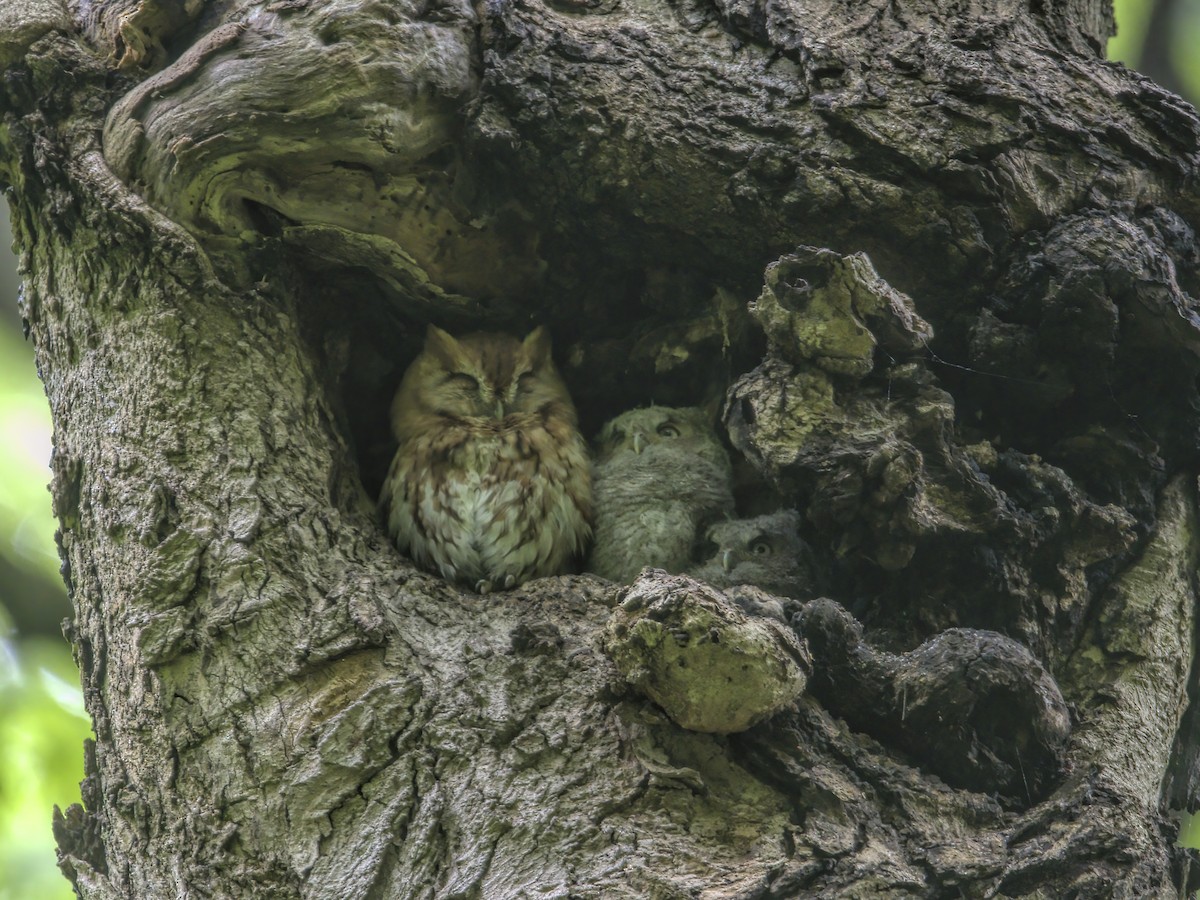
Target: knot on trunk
pixel 709 666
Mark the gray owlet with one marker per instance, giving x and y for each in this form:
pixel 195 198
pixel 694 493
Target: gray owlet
pixel 765 552
pixel 660 476
pixel 491 483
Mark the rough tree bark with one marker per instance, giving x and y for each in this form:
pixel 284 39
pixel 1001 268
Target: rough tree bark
pixel 936 258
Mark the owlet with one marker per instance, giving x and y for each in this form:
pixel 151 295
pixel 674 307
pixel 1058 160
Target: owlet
pixel 490 486
pixel 766 552
pixel 661 475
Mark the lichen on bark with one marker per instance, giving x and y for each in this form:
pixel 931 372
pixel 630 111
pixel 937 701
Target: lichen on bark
pixel 708 665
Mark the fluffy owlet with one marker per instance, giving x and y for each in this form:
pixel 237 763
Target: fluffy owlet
pixel 660 476
pixel 490 486
pixel 766 552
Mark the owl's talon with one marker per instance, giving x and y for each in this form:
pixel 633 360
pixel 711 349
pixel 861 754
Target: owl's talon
pixel 510 581
pixel 483 587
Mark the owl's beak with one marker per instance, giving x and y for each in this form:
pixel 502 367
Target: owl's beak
pixel 727 560
pixel 499 409
pixel 639 441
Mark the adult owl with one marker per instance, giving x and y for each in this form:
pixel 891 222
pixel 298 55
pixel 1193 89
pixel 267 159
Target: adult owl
pixel 766 552
pixel 490 486
pixel 661 475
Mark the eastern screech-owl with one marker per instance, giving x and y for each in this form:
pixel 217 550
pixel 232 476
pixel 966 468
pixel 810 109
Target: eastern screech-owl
pixel 490 486
pixel 766 551
pixel 660 476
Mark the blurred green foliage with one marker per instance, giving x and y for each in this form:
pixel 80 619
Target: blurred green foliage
pixel 1159 38
pixel 42 726
pixel 26 523
pixel 1132 18
pixel 42 719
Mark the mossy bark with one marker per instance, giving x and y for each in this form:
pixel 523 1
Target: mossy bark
pixel 972 367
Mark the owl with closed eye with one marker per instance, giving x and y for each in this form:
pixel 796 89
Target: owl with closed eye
pixel 661 476
pixel 491 483
pixel 765 552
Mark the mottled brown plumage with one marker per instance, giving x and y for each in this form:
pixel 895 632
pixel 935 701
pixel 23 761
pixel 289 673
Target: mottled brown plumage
pixel 490 486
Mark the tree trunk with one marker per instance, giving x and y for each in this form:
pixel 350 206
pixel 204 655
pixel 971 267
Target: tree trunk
pixel 935 260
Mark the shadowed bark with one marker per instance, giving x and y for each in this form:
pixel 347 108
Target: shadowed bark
pixel 936 263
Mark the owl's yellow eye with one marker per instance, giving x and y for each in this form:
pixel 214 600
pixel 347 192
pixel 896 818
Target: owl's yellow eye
pixel 667 430
pixel 463 380
pixel 525 381
pixel 761 547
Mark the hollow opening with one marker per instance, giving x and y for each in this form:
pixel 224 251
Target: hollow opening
pixel 660 335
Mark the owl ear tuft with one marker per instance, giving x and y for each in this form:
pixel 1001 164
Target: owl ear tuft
pixel 440 343
pixel 537 345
